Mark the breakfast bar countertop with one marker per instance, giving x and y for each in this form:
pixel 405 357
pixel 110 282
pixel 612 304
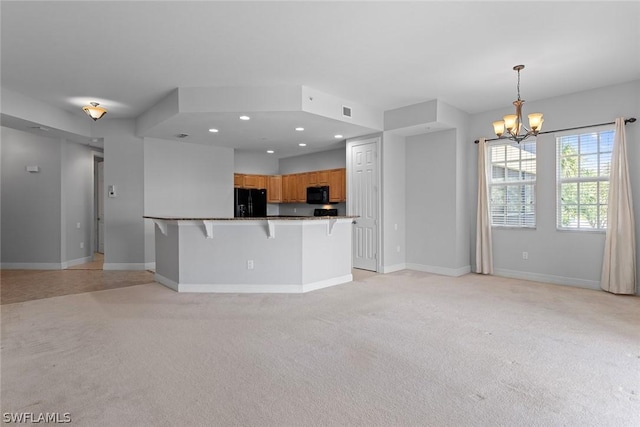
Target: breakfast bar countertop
pixel 248 218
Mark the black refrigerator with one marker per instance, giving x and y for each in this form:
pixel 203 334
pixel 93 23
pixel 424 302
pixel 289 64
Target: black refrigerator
pixel 250 202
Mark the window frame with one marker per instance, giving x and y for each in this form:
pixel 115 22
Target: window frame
pixel 520 182
pixel 581 180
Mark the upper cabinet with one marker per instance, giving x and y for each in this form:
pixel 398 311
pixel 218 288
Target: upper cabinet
pixel 292 188
pixel 337 190
pixel 241 180
pixel 274 189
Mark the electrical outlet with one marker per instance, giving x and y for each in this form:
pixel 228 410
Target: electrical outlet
pixel 77 225
pixel 398 248
pixel 81 245
pixel 525 255
pixel 249 264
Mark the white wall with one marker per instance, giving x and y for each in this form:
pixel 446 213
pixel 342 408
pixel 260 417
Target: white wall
pixel 564 257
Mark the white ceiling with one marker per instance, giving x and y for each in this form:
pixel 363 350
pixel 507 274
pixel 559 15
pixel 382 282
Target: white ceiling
pixel 130 55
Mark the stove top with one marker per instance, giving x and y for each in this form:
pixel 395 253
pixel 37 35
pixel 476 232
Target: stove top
pixel 325 212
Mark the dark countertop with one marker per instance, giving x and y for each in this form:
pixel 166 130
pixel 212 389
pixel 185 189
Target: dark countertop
pixel 274 217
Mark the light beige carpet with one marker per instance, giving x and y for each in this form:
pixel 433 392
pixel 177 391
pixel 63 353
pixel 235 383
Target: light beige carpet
pixel 402 349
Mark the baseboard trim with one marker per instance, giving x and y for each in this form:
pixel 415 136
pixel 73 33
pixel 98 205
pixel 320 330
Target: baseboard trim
pixel 393 268
pixel 548 278
pixel 31 266
pixel 136 266
pixel 250 288
pixel 77 261
pixel 445 271
pixel 150 266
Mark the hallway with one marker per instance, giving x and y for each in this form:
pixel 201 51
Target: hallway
pixel 26 285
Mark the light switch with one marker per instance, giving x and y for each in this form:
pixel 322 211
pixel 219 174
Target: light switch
pixel 111 191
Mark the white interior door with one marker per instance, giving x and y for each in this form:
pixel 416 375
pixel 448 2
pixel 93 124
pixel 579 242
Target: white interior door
pixel 363 201
pixel 100 208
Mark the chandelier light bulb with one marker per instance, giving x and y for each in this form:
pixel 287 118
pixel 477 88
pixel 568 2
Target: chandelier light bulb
pixel 535 121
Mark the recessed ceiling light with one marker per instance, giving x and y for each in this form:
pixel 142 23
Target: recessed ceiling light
pixel 299 129
pixel 337 136
pixel 213 130
pixel 270 151
pixel 245 118
pixel 302 144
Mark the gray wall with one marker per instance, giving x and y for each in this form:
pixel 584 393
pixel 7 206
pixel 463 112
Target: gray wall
pixel 394 226
pixel 77 200
pixel 182 179
pixel 255 163
pixel 123 167
pixel 31 202
pixel 187 180
pixel 431 208
pixel 331 159
pixel 564 257
pixel 40 211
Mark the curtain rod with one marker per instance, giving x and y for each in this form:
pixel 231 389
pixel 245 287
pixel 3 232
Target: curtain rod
pixel 629 120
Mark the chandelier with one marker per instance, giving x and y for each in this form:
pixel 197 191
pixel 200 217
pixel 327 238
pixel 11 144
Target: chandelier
pixel 512 123
pixel 94 111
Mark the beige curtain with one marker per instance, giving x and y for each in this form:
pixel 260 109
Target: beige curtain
pixel 484 255
pixel 619 265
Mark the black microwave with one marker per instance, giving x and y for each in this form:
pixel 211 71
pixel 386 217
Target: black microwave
pixel 318 195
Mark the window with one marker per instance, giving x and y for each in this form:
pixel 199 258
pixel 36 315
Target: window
pixel 512 187
pixel 583 167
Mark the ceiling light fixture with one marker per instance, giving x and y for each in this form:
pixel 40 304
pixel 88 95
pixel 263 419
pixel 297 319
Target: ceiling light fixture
pixel 337 136
pixel 245 118
pixel 299 129
pixel 302 144
pixel 94 111
pixel 270 151
pixel 213 130
pixel 513 122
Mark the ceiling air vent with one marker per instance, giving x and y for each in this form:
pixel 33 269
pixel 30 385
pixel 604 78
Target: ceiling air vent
pixel 346 111
pixel 182 135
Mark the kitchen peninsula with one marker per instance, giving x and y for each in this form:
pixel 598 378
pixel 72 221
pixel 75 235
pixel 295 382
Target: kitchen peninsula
pixel 253 255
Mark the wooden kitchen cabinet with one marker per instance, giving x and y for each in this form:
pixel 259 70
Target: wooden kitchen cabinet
pixel 292 188
pixel 238 180
pixel 301 193
pixel 289 188
pixel 254 181
pixel 274 189
pixel 337 189
pixel 241 180
pixel 323 178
